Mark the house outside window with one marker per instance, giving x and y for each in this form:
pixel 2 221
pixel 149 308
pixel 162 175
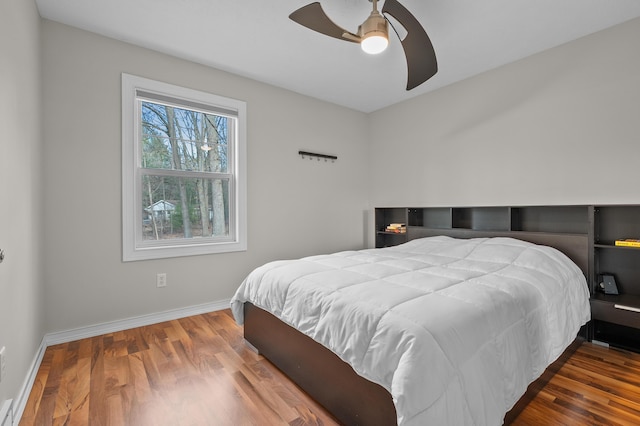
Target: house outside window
pixel 184 171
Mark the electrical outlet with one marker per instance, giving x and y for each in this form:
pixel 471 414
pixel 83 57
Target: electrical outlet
pixel 3 363
pixel 161 280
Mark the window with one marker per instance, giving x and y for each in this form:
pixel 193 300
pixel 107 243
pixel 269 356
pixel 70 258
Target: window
pixel 183 171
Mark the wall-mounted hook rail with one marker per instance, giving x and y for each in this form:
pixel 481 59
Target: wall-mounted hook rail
pixel 313 155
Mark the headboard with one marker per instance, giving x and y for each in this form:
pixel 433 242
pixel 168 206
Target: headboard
pixel 568 228
pixel 575 246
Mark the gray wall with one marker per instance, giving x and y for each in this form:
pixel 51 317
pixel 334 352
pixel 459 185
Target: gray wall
pixel 559 127
pixel 296 207
pixel 20 191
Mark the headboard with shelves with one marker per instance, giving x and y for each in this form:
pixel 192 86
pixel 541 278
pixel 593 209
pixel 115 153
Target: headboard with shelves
pixel 585 233
pixel 563 227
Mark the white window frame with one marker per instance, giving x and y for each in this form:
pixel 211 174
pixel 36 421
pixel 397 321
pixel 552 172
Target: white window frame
pixel 134 89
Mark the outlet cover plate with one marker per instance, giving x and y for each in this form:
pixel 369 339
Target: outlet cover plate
pixel 161 280
pixel 3 363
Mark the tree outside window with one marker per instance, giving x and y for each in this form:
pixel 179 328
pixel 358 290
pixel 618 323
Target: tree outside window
pixel 185 176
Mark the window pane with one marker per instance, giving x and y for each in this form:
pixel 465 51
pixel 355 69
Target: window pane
pixel 180 208
pixel 181 139
pixel 183 171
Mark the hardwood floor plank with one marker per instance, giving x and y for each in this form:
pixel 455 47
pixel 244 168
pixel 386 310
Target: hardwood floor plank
pixel 68 381
pixel 597 386
pixel 268 394
pixel 199 371
pixel 37 390
pixel 596 411
pixel 97 383
pixel 139 379
pixel 46 410
pixel 597 395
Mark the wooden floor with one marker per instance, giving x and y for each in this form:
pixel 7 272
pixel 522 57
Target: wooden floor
pixel 198 371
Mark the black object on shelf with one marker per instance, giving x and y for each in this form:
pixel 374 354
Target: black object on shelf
pixel 608 284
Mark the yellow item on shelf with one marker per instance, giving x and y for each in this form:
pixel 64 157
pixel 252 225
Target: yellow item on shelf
pixel 629 242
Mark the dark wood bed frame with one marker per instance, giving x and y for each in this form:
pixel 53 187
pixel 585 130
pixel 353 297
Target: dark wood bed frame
pixel 352 399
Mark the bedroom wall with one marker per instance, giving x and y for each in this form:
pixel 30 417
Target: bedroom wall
pixel 549 129
pixel 559 127
pixel 20 191
pixel 296 207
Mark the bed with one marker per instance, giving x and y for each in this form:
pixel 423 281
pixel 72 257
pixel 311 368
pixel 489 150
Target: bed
pixel 438 330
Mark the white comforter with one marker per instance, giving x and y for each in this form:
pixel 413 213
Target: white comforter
pixel 454 329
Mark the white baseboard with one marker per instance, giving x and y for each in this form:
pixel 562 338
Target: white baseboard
pixel 23 395
pixel 6 413
pixel 99 329
pixel 125 324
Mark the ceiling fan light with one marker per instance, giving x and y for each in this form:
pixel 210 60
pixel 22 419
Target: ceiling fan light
pixel 374 43
pixel 374 33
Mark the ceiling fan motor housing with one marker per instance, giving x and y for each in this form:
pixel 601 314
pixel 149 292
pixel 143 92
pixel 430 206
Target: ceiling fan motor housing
pixel 375 24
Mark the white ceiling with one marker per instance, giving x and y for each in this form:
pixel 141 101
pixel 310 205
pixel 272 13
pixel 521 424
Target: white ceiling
pixel 256 39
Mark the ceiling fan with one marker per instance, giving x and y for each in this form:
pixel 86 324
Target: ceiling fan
pixel 373 35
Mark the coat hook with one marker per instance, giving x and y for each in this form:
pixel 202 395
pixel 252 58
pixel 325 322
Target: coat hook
pixel 326 157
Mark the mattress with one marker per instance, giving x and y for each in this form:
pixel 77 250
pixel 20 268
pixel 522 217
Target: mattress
pixel 454 329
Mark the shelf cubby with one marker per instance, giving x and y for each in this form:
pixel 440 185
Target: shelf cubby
pixel 561 219
pixel 616 222
pixel 482 218
pixel 436 218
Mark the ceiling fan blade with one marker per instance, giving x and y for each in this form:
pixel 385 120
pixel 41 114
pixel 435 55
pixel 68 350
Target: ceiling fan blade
pixel 418 50
pixel 313 17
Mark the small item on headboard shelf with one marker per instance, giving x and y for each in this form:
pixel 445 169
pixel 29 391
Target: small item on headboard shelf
pixel 398 228
pixel 608 284
pixel 629 242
